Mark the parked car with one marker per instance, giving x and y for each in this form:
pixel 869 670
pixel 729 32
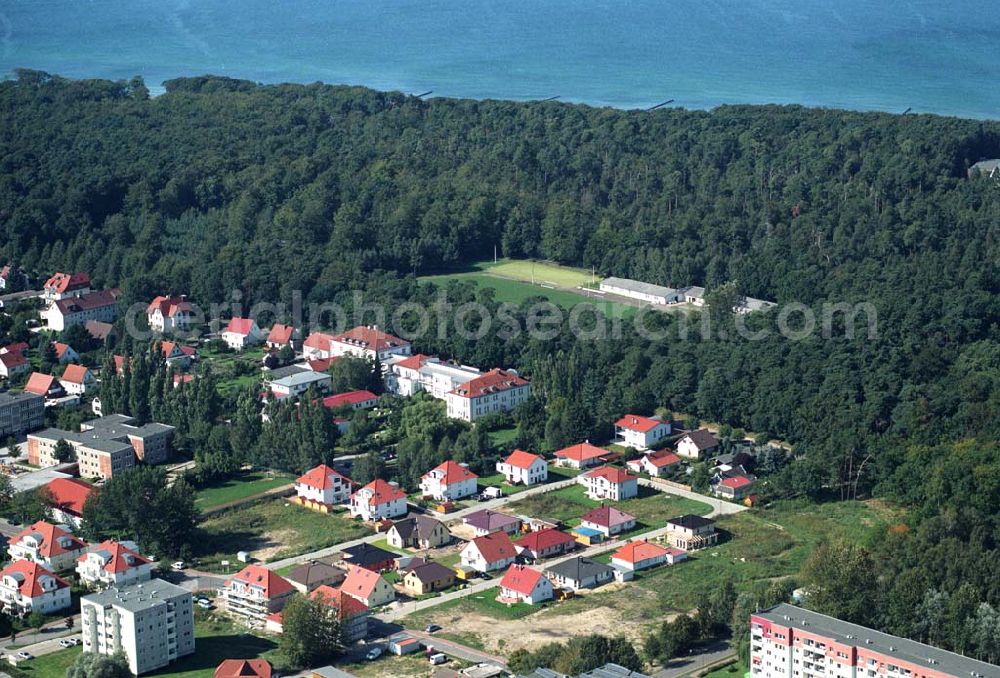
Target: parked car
pixel 202 599
pixel 205 605
pixel 67 642
pixel 25 655
pixel 431 628
pixel 178 566
pixel 439 658
pixel 373 654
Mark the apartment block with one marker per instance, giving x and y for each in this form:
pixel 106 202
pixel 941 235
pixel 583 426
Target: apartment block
pixel 790 642
pixel 152 623
pixel 20 413
pixel 104 446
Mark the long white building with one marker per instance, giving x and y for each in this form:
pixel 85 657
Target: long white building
pixel 496 391
pixel 152 623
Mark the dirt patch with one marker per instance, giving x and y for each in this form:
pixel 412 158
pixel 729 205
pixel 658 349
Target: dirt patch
pixel 275 542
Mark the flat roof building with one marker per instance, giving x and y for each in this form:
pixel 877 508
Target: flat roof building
pixel 20 413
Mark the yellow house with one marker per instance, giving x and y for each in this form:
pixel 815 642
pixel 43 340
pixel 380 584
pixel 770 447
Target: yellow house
pixel 427 578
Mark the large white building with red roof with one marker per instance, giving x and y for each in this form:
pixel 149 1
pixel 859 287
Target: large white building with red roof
pixel 323 485
pixel 496 391
pixel 408 375
pixel 581 455
pixel 254 593
pixel 169 314
pixel 378 500
pixel 65 286
pixel 367 342
pixel 47 545
pixel 356 400
pixel 68 497
pixel 523 584
pixel 523 467
pixel 609 482
pixel 449 481
pixel 27 587
pixel 241 333
pixel 101 305
pixel 641 433
pixel 113 563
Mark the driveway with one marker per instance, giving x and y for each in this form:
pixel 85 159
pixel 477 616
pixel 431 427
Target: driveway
pixel 720 507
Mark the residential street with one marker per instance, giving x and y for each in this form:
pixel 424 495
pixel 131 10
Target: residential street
pixel 454 649
pixel 710 654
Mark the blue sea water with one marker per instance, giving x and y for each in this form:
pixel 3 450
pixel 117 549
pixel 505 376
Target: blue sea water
pixel 928 55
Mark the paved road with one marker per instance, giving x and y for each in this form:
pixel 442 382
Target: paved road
pixel 454 649
pixel 711 654
pixel 48 634
pixel 720 507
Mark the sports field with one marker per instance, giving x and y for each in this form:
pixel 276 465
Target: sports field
pixel 541 273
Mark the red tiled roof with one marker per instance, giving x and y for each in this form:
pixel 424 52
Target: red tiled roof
pixel 13 359
pixel 240 326
pixel 544 539
pixel 345 605
pixel 183 379
pixel 494 547
pixel 636 551
pixel 39 383
pixel 50 536
pixel 271 582
pixel 75 374
pixel 636 422
pixel 29 575
pixel 582 452
pixel 607 516
pixel 452 472
pixel 521 459
pixel 360 582
pixel 612 473
pixel 244 668
pixel 61 348
pixel 736 482
pixel 370 338
pixel 521 579
pixel 663 458
pixel 119 363
pixel 494 381
pixel 20 347
pixel 320 477
pixel 414 362
pixel 169 306
pixel 118 557
pixel 64 282
pixel 348 398
pixel 320 364
pixel 383 492
pixel 319 340
pixel 69 494
pixel 280 334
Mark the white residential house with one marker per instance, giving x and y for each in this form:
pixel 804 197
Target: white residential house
pixel 65 353
pixel 27 587
pixel 641 433
pixel 656 464
pixel 696 444
pixel 241 333
pixel 47 545
pixel 317 346
pixel 412 374
pixel 489 552
pixel 323 485
pixel 609 482
pixel 77 380
pixel 113 563
pixel 66 286
pixel 168 314
pixel 378 500
pixel 151 623
pixel 254 593
pixel 525 585
pixel 496 391
pixel 296 384
pixel 12 364
pixel 524 468
pixel 449 481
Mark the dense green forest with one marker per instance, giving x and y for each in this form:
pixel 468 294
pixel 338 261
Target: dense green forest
pixel 220 184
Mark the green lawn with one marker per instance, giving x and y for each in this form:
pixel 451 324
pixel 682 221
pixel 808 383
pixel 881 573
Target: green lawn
pixel 483 603
pixel 734 670
pixel 541 272
pixel 47 666
pixel 503 436
pixel 272 530
pixel 567 504
pixel 239 487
